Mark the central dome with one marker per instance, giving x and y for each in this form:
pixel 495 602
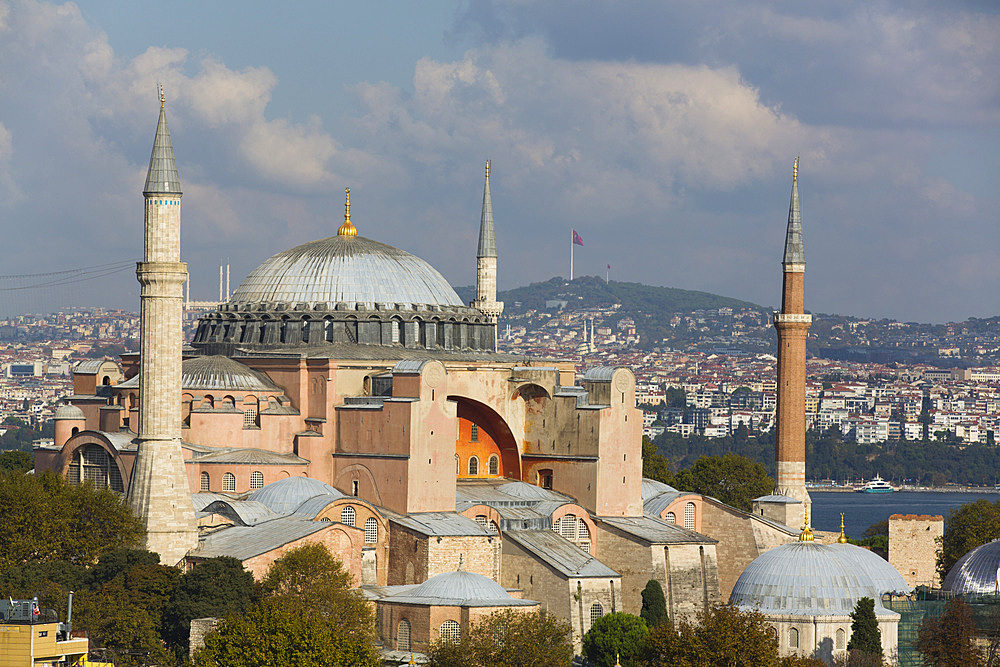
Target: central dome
pixel 345 269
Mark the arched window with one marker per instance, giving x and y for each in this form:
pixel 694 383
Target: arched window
pixel 206 483
pixel 841 639
pixel 256 479
pixel 229 482
pixel 670 518
pixel 494 465
pixel 347 516
pixel 583 536
pixel 91 463
pixel 689 516
pixel 371 530
pixel 403 635
pixel 793 638
pixel 596 611
pixel 567 527
pixel 451 631
pixel 473 465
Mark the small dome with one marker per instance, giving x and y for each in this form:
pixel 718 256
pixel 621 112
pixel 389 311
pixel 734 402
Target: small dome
pixel 217 373
pixel 69 412
pixel 285 495
pixel 345 269
pixel 460 589
pixel 975 573
pixel 886 578
pixel 804 579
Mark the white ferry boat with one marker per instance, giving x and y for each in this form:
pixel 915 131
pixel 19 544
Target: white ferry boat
pixel 877 485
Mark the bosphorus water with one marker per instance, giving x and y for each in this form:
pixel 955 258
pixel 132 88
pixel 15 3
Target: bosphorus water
pixel 863 509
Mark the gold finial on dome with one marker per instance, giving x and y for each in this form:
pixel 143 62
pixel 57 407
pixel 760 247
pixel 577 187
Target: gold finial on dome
pixel 806 535
pixel 347 229
pixel 163 98
pixel 795 170
pixel 487 170
pixel 843 538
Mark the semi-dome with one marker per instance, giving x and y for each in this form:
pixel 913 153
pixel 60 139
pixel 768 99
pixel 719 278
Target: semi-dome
pixel 975 573
pixel 345 269
pixel 805 579
pixel 286 495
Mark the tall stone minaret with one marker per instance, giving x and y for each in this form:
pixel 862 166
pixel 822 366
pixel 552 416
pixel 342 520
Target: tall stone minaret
pixel 792 324
pixel 159 492
pixel 486 261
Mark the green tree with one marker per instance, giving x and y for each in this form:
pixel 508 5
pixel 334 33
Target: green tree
pixel 313 580
pixel 46 518
pixel 613 635
pixel 16 461
pixel 508 638
pixel 949 640
pixel 654 604
pixel 966 528
pixel 274 634
pixel 214 588
pixel 733 479
pixel 654 465
pixel 114 622
pixel 865 635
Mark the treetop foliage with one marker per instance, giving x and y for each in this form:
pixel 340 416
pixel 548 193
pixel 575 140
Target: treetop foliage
pixel 965 528
pixel 508 638
pixel 654 604
pixel 615 635
pixel 949 640
pixel 865 635
pixel 733 479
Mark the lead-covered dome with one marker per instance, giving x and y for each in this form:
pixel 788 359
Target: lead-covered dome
pixel 975 573
pixel 345 269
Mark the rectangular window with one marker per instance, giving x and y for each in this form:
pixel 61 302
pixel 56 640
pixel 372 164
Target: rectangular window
pixel 250 418
pixel 475 433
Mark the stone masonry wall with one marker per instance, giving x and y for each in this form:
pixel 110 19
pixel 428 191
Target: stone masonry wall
pixel 913 546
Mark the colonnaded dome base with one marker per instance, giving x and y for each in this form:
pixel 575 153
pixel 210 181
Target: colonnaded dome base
pixel 345 291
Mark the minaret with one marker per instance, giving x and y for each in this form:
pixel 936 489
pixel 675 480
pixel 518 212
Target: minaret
pixel 792 325
pixel 486 261
pixel 159 491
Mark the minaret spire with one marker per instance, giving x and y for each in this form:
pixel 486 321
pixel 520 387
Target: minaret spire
pixel 486 261
pixel 159 492
pixel 794 249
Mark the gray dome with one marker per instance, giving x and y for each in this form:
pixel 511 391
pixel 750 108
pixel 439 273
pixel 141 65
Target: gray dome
pixel 804 579
pixel 217 373
pixel 460 589
pixel 285 495
pixel 345 269
pixel 975 573
pixel 69 412
pixel 886 578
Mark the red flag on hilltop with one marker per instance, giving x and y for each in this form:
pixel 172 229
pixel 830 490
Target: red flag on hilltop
pixel 576 238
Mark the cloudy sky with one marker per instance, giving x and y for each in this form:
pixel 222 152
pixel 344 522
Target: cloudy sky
pixel 663 132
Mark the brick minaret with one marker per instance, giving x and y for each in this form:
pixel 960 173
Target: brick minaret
pixel 486 261
pixel 792 324
pixel 159 492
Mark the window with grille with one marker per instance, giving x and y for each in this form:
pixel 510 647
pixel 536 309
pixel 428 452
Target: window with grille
pixel 403 636
pixel 474 437
pixel 451 631
pixel 371 530
pixel 793 638
pixel 567 527
pixel 473 466
pixel 229 482
pixel 91 463
pixel 689 516
pixel 670 518
pixel 493 528
pixel 256 479
pixel 395 331
pixel 494 465
pixel 482 521
pixel 458 465
pixel 206 483
pixel 250 418
pixel 596 611
pixel 841 638
pixel 347 516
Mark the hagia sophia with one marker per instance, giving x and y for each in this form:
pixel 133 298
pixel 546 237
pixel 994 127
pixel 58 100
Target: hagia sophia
pixel 345 395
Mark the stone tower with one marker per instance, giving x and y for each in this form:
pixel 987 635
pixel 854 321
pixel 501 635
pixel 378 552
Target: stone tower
pixel 159 492
pixel 486 260
pixel 792 325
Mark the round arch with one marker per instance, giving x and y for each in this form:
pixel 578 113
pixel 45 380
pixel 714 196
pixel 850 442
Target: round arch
pixel 482 432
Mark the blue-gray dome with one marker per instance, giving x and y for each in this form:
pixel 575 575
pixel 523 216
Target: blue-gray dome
pixel 805 579
pixel 69 412
pixel 345 269
pixel 886 578
pixel 286 495
pixel 218 373
pixel 975 573
pixel 460 589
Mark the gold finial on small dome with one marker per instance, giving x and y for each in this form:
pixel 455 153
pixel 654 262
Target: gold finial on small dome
pixel 795 170
pixel 487 170
pixel 806 535
pixel 347 229
pixel 843 538
pixel 163 98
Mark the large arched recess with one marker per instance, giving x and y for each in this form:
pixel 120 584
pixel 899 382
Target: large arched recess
pixel 488 420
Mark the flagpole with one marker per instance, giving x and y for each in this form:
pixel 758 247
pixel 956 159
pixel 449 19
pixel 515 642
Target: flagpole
pixel 571 244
